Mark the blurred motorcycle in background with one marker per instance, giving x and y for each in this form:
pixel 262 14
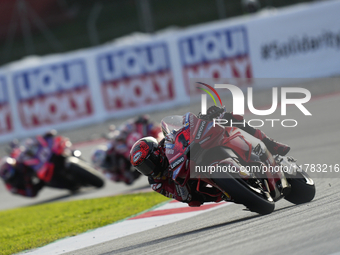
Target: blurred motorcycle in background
pixel 46 160
pixel 113 158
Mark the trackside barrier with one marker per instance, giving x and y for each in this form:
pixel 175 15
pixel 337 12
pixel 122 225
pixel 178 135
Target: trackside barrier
pixel 145 73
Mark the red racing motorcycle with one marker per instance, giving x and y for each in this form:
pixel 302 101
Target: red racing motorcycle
pixel 234 162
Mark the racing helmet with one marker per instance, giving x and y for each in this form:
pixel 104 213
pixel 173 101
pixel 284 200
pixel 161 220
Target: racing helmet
pixel 250 6
pixel 144 119
pixel 144 156
pixel 14 144
pixel 98 156
pixel 7 168
pixel 31 146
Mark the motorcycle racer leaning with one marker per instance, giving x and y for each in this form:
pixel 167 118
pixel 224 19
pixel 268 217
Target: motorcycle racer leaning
pixel 21 179
pixel 18 178
pixel 148 157
pixel 113 159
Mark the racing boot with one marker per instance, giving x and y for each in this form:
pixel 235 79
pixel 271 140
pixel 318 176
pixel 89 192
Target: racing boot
pixel 273 146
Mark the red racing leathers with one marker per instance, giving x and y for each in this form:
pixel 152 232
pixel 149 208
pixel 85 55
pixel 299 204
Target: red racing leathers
pixel 163 184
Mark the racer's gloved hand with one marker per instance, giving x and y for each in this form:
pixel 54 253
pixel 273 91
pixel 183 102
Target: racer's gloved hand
pixel 214 111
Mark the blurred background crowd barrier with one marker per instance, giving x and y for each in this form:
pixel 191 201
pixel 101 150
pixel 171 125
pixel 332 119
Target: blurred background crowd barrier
pixel 148 71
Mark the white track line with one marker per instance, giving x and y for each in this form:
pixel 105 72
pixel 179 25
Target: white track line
pixel 117 230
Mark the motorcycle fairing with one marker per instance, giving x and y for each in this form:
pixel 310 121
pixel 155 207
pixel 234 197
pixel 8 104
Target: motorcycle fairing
pixel 39 162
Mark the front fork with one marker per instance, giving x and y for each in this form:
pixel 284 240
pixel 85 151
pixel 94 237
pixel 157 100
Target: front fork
pixel 277 181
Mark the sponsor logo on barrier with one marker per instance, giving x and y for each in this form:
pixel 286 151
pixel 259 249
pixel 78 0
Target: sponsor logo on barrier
pixel 221 54
pixel 52 94
pixel 297 45
pixel 5 111
pixel 136 76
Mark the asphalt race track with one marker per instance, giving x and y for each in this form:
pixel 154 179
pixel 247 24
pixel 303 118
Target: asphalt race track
pixel 312 228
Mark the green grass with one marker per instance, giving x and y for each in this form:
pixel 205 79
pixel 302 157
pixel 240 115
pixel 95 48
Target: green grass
pixel 34 226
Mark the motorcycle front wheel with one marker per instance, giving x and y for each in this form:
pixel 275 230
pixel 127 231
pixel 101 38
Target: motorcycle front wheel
pixel 302 189
pixel 253 197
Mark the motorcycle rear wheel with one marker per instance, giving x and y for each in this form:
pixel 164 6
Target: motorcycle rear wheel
pixel 83 173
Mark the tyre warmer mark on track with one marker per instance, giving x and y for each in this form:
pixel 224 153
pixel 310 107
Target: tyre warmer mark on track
pixel 158 216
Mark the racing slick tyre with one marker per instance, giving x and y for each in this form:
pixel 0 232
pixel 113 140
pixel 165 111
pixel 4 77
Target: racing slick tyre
pixel 83 173
pixel 302 189
pixel 254 197
pixel 241 192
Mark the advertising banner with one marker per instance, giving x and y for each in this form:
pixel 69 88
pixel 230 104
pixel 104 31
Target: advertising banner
pixel 6 120
pixel 135 76
pixel 222 54
pixel 52 94
pixel 299 42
